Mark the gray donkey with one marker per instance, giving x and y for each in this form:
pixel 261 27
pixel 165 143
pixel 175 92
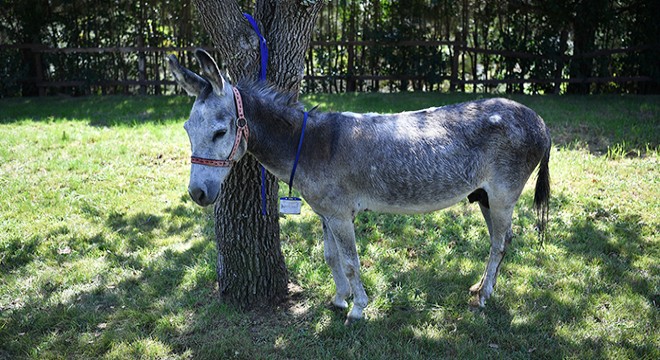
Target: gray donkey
pixel 406 163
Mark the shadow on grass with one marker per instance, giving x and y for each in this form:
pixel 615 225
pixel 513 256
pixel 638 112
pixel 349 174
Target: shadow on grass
pixel 158 293
pixel 103 111
pixel 170 300
pixel 17 253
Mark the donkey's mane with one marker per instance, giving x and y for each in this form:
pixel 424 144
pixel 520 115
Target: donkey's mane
pixel 282 101
pixel 269 93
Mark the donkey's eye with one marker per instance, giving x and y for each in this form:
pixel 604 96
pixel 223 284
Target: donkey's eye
pixel 218 134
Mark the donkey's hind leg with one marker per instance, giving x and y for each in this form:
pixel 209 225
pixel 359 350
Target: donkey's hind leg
pixel 485 211
pixel 331 254
pixel 498 219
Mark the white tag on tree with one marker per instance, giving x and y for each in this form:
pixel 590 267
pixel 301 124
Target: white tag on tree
pixel 290 205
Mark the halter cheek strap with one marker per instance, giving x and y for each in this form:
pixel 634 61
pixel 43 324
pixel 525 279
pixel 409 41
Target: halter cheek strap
pixel 242 131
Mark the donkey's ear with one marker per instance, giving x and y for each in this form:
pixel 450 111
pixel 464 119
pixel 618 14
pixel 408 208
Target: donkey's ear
pixel 210 71
pixel 189 81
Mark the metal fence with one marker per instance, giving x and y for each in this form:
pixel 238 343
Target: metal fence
pixel 333 66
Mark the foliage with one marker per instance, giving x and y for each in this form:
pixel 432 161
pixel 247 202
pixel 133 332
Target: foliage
pixel 103 255
pixel 92 23
pixel 550 31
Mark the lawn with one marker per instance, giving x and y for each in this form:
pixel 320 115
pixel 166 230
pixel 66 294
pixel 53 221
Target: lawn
pixel 103 255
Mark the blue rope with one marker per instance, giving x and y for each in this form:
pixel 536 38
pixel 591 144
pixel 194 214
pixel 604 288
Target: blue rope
pixel 295 162
pixel 263 51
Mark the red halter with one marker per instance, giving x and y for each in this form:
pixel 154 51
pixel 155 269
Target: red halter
pixel 241 131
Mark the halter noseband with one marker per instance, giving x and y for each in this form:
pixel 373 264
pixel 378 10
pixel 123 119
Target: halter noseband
pixel 241 131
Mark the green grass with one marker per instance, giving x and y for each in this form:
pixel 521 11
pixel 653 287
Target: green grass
pixel 103 255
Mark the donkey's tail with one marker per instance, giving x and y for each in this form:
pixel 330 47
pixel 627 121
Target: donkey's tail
pixel 542 194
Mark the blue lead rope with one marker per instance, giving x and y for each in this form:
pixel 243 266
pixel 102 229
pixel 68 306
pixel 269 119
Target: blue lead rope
pixel 295 162
pixel 263 51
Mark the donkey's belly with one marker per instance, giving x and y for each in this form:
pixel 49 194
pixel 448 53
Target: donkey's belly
pixel 415 191
pixel 431 203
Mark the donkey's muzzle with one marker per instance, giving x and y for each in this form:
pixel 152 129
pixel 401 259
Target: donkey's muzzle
pixel 198 195
pixel 201 196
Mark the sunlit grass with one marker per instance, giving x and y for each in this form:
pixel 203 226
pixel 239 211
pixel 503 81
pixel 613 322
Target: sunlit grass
pixel 102 254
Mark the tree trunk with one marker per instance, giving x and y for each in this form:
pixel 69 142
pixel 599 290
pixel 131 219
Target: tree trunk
pixel 585 27
pixel 559 64
pixel 251 269
pixel 32 16
pixel 351 84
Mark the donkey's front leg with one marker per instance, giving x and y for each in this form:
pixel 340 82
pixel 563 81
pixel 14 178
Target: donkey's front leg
pixel 344 235
pixel 332 258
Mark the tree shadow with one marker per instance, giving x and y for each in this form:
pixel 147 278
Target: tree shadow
pixel 91 317
pixel 606 125
pixel 17 252
pixel 100 111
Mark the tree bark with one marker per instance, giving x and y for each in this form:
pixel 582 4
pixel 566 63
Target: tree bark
pixel 251 269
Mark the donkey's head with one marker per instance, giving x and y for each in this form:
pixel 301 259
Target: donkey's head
pixel 218 136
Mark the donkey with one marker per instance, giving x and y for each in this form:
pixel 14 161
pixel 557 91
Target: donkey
pixel 406 163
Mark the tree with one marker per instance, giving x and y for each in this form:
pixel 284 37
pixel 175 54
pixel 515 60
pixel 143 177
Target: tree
pixel 31 18
pixel 586 24
pixel 250 265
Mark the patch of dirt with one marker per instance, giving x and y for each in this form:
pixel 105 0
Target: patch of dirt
pixel 576 136
pixel 294 311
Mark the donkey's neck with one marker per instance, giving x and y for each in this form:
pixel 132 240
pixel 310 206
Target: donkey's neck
pixel 274 132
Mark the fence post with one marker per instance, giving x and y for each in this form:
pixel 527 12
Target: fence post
pixel 454 67
pixel 40 74
pixel 32 59
pixel 142 66
pixel 350 67
pixel 350 74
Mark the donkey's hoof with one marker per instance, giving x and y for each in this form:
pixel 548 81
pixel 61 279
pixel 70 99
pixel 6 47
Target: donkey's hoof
pixel 477 301
pixel 342 305
pixel 351 321
pixel 338 310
